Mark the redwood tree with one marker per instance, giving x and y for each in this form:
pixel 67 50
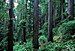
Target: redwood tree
pixel 36 25
pixel 62 2
pixel 10 27
pixel 50 21
pixel 71 9
pixel 24 32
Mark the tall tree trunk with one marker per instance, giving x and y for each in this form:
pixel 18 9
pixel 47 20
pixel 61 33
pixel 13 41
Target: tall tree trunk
pixel 10 28
pixel 50 21
pixel 36 25
pixel 25 8
pixel 30 17
pixel 24 32
pixel 54 14
pixel 71 9
pixel 62 8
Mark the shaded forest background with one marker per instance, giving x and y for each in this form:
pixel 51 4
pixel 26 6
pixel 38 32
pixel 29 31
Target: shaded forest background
pixel 37 25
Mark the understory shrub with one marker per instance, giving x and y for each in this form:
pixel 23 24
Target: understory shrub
pixel 66 30
pixel 42 39
pixel 66 46
pixel 44 29
pixel 23 47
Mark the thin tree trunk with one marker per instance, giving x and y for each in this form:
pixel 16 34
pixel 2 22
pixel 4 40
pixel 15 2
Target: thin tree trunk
pixel 36 25
pixel 62 9
pixel 50 21
pixel 71 9
pixel 54 14
pixel 24 32
pixel 10 28
pixel 30 17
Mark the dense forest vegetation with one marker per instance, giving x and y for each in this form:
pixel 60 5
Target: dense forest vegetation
pixel 37 25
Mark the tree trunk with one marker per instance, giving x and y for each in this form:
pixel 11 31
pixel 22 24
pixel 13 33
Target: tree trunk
pixel 24 32
pixel 36 25
pixel 62 9
pixel 30 17
pixel 10 28
pixel 71 9
pixel 54 14
pixel 50 21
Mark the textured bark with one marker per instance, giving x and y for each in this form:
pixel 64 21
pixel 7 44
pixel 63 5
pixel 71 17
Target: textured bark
pixel 50 21
pixel 71 9
pixel 36 25
pixel 54 14
pixel 46 17
pixel 10 28
pixel 26 8
pixel 10 36
pixel 24 33
pixel 62 8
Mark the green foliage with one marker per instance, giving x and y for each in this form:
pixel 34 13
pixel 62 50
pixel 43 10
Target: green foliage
pixel 3 9
pixel 58 25
pixel 24 18
pixel 3 24
pixel 3 43
pixel 65 30
pixel 66 46
pixel 22 23
pixel 42 39
pixel 57 38
pixel 24 13
pixel 43 6
pixel 65 27
pixel 18 47
pixel 23 47
pixel 44 29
